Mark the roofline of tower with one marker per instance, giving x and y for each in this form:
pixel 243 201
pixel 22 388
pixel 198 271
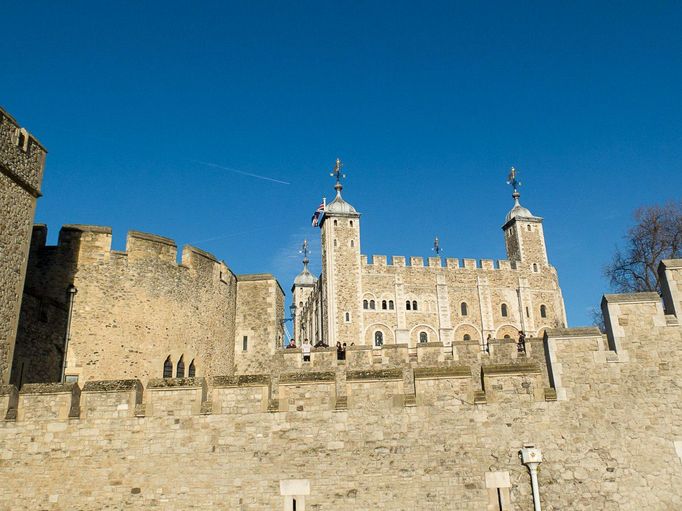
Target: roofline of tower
pixel 532 219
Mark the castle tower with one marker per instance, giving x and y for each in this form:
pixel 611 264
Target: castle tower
pixel 341 268
pixel 22 159
pixel 304 284
pixel 523 234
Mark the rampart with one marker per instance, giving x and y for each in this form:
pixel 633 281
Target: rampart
pixel 383 429
pixel 22 159
pixel 131 311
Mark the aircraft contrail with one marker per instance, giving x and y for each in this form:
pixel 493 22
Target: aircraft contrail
pixel 237 171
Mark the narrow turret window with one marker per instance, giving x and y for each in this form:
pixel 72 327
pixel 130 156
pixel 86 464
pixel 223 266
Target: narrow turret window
pixel 383 305
pixel 168 368
pixel 378 338
pixel 408 305
pixel 365 304
pixel 352 243
pixel 347 317
pixel 245 343
pixel 336 223
pixel 414 305
pixel 372 304
pixel 535 267
pixel 351 223
pixel 180 371
pixel 464 309
pixel 192 372
pixel 503 309
pixel 390 305
pixel 543 311
pixel 423 337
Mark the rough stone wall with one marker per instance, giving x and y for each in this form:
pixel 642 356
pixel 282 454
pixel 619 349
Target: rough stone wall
pixel 260 309
pixel 21 171
pixel 525 240
pixel 365 435
pixel 131 311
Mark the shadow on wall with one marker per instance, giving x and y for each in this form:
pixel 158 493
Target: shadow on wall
pixel 41 336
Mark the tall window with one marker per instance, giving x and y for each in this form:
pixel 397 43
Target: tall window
pixel 503 308
pixel 168 368
pixel 408 305
pixel 180 371
pixel 390 305
pixel 464 309
pixel 378 338
pixel 414 305
pixel 347 317
pixel 365 304
pixel 372 305
pixel 245 343
pixel 423 337
pixel 383 305
pixel 543 311
pixel 535 267
pixel 192 372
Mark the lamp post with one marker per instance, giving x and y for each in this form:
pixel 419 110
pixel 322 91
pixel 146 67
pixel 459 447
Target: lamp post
pixel 532 457
pixel 70 294
pixel 292 311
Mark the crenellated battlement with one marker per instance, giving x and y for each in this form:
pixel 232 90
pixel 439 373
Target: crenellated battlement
pixel 22 157
pixel 91 244
pixel 382 261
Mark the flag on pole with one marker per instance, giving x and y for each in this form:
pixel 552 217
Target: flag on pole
pixel 317 215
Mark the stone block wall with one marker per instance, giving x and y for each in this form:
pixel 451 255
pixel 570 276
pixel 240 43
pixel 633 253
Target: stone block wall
pixel 22 159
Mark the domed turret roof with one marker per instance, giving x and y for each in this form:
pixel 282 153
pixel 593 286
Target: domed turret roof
pixel 339 206
pixel 518 211
pixel 305 278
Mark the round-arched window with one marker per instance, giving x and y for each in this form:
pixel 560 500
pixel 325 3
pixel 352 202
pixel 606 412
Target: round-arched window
pixel 503 309
pixel 543 311
pixel 423 337
pixel 464 309
pixel 467 337
pixel 378 338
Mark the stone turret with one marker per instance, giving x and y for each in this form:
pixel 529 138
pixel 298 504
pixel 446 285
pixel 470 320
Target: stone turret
pixel 304 284
pixel 341 267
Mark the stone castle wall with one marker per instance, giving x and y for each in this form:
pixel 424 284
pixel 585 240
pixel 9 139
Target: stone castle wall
pixel 373 433
pixel 132 309
pixel 22 159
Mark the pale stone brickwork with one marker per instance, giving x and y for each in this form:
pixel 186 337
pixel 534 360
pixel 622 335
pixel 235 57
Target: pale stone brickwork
pixel 134 310
pixel 377 432
pixel 410 301
pixel 258 328
pixel 21 172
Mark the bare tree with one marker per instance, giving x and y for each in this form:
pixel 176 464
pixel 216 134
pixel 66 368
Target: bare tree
pixel 656 235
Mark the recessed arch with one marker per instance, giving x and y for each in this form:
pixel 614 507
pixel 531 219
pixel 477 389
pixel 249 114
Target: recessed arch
pixel 509 330
pixel 388 337
pixel 423 327
pixel 467 329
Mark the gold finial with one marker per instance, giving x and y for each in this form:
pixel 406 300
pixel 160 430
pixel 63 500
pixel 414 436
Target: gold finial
pixel 338 175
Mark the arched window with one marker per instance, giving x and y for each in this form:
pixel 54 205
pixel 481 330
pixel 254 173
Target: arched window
pixel 467 337
pixel 423 337
pixel 529 228
pixel 365 304
pixel 464 309
pixel 503 309
pixel 506 336
pixel 414 305
pixel 372 305
pixel 336 223
pixel 347 317
pixel 378 338
pixel 180 371
pixel 192 372
pixel 408 305
pixel 535 267
pixel 543 311
pixel 351 223
pixel 168 368
pixel 352 243
pixel 334 240
pixel 383 305
pixel 390 305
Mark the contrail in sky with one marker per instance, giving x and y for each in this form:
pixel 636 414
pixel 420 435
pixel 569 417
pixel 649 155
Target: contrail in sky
pixel 243 173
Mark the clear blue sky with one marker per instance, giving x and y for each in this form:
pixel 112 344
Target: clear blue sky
pixel 428 105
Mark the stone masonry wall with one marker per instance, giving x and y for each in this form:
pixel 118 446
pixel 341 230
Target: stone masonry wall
pixel 131 311
pixel 22 159
pixel 361 436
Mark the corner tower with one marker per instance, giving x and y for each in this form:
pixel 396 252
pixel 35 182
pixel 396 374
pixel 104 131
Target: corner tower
pixel 523 234
pixel 304 284
pixel 341 268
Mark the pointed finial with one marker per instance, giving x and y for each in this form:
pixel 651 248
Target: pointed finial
pixel 436 246
pixel 338 175
pixel 515 183
pixel 304 250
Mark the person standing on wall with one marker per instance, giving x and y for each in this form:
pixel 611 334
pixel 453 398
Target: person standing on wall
pixel 305 349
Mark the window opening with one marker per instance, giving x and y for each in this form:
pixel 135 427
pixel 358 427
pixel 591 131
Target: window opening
pixel 503 308
pixel 423 337
pixel 467 337
pixel 168 368
pixel 383 305
pixel 527 313
pixel 543 311
pixel 372 305
pixel 192 372
pixel 245 343
pixel 378 338
pixel 347 317
pixel 408 305
pixel 390 304
pixel 464 309
pixel 180 372
pixel 414 305
pixel 365 304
